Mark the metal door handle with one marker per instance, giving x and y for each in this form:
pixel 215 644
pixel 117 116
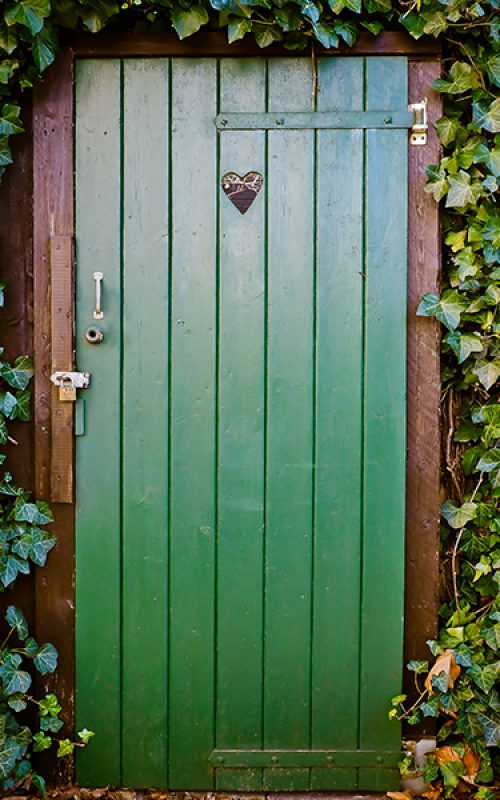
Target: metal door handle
pixel 98 312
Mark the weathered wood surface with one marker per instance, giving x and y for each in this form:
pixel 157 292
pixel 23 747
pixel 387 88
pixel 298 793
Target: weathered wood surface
pixel 423 433
pixel 215 44
pixel 53 203
pixel 61 293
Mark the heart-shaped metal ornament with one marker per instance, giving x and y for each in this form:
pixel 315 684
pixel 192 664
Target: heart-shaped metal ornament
pixel 242 191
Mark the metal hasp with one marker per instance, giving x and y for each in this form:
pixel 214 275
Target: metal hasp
pixel 420 126
pixel 68 383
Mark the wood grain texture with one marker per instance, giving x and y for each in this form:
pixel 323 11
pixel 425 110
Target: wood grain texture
pixel 61 292
pixel 53 204
pixel 98 193
pixel 423 362
pixel 215 45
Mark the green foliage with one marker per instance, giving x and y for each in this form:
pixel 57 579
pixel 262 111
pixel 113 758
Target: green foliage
pixel 24 541
pixel 459 689
pixel 18 740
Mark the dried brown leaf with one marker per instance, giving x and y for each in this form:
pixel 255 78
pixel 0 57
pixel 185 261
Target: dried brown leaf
pixel 472 763
pixel 446 753
pixel 444 663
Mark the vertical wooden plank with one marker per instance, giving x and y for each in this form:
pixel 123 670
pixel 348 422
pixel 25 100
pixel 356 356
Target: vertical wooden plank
pixel 423 466
pixel 290 192
pixel 61 285
pixel 384 429
pixel 145 422
pixel 98 514
pixel 339 230
pixel 53 204
pixel 192 556
pixel 240 432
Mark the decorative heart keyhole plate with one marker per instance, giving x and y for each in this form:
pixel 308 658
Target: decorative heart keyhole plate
pixel 242 191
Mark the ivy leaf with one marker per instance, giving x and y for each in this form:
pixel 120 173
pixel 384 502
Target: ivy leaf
pixel 9 753
pixel 338 5
pixel 17 702
pixel 65 748
pixel 493 68
pixel 40 7
pixel 464 344
pixel 41 742
pixel 264 36
pixel 36 513
pixel 39 783
pixel 8 39
pixel 95 19
pixel 487 117
pixel 49 706
pixel 484 677
pixel 10 124
pixel 489 462
pixel 325 34
pixel 44 49
pixel 458 516
pixel 461 79
pixel 16 620
pixel 419 667
pixel 51 724
pixel 46 659
pixel 488 372
pixel 447 129
pixel 188 22
pixel 19 375
pixel 414 24
pixel 447 309
pixel 23 14
pixel 373 27
pixel 461 191
pixel 430 708
pixel 18 683
pixel 347 31
pixel 237 29
pixel 435 23
pixel 85 735
pixel 310 10
pixel 491 730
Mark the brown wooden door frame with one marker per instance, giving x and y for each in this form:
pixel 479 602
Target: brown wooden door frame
pixel 53 325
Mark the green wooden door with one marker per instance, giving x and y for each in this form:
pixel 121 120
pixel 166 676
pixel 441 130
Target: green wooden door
pixel 241 449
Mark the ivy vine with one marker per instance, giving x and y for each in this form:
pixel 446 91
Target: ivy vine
pixel 24 542
pixel 460 681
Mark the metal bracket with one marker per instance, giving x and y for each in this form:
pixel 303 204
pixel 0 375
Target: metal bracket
pixel 420 125
pixel 77 380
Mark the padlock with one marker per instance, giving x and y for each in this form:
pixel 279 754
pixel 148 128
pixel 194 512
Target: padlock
pixel 67 390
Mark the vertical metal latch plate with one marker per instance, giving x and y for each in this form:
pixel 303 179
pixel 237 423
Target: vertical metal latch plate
pixel 420 125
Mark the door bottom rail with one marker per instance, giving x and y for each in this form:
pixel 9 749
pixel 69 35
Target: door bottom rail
pixel 305 758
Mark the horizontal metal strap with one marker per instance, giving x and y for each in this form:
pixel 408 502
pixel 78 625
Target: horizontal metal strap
pixel 278 120
pixel 305 758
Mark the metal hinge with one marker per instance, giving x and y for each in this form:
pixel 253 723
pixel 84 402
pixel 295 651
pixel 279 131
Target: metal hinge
pixel 420 125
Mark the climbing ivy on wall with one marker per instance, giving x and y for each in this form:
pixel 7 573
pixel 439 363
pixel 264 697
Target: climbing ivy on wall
pixel 458 685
